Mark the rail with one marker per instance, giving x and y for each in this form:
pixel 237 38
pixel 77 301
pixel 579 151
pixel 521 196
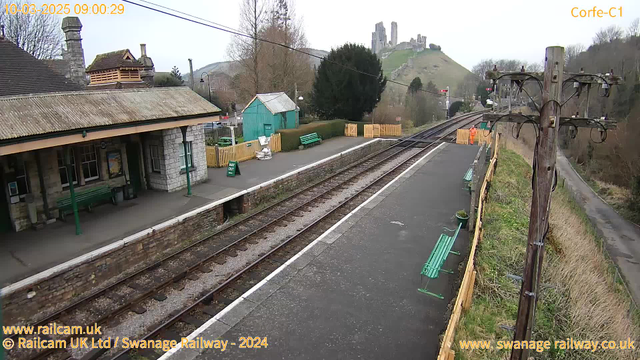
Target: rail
pixel 403 145
pixel 209 297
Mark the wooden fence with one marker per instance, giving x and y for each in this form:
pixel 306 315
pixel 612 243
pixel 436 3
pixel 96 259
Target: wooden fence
pixel 390 130
pixel 220 156
pixel 351 130
pixel 465 293
pixel 377 130
pixel 482 137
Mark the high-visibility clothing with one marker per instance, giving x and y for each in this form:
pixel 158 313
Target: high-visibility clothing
pixel 472 134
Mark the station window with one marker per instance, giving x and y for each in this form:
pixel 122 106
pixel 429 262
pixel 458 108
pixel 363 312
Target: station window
pixel 89 161
pixel 189 155
pixel 21 179
pixel 64 180
pixel 156 158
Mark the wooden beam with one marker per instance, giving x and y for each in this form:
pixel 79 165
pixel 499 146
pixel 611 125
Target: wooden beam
pixel 102 134
pixel 564 120
pixel 545 165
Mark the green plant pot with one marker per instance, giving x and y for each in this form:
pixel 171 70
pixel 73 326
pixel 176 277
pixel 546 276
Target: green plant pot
pixel 462 220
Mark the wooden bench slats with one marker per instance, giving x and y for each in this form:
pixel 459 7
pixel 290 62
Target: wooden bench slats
pixel 468 175
pixel 437 258
pixel 84 198
pixel 310 139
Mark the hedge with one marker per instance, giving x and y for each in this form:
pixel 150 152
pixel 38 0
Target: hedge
pixel 326 129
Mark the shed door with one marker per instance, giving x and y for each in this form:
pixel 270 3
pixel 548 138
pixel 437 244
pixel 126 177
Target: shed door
pixel 268 130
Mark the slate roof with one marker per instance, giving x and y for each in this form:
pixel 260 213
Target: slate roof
pixel 21 73
pixel 36 114
pixel 113 60
pixel 275 102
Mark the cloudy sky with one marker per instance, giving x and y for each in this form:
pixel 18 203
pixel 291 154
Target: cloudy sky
pixel 468 31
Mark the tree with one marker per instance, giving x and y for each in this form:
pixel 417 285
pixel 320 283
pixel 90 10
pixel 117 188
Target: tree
pixel 634 28
pixel 285 69
pixel 347 90
pixel 174 78
pixel 246 51
pixel 38 34
pixel 433 46
pixel 571 52
pixel 467 87
pixel 422 106
pixel 175 73
pixel 415 86
pixel 608 35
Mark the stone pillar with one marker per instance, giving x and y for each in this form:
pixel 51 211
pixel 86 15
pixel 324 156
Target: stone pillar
pixel 74 55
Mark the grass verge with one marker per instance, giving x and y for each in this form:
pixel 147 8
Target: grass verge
pixel 581 298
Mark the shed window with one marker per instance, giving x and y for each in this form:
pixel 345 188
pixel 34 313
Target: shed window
pixel 89 161
pixel 156 158
pixel 64 179
pixel 189 155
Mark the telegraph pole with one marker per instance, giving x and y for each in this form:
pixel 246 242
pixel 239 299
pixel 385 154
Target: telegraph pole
pixel 543 179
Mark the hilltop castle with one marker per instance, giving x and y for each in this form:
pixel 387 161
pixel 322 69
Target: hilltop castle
pixel 379 40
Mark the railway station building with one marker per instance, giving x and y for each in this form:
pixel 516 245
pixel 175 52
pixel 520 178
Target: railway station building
pixel 56 134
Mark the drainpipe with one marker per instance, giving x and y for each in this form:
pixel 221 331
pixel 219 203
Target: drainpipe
pixel 186 159
pixel 43 189
pixel 74 204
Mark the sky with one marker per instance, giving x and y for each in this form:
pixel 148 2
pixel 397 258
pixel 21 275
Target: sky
pixel 468 31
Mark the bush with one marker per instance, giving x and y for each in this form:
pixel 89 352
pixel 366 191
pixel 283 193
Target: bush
pixel 326 130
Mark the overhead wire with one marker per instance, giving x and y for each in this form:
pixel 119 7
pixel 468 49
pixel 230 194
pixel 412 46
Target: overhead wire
pixel 230 30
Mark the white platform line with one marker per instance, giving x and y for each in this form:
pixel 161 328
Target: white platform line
pixel 9 289
pixel 257 286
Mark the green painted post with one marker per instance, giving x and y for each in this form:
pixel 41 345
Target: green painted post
pixel 74 204
pixel 186 160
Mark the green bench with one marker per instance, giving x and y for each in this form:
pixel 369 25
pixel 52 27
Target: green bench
pixel 224 141
pixel 310 139
pixel 433 266
pixel 468 176
pixel 85 199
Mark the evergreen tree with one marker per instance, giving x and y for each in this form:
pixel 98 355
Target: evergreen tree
pixel 415 86
pixel 176 74
pixel 345 91
pixel 173 79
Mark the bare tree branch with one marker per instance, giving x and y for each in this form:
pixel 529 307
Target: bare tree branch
pixel 38 34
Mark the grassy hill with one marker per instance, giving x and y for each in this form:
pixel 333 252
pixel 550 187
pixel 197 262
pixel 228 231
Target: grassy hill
pixel 429 65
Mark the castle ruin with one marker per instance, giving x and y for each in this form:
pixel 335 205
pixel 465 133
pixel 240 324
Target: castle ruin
pixel 379 40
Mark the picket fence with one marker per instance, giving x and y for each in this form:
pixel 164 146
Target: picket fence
pixel 220 156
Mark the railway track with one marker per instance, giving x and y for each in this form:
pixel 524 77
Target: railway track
pixel 152 282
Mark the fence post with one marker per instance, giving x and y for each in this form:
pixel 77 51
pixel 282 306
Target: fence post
pixel 217 154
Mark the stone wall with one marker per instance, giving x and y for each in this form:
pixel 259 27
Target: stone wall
pixel 59 290
pixel 176 178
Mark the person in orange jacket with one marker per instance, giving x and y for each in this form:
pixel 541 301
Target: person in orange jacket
pixel 472 133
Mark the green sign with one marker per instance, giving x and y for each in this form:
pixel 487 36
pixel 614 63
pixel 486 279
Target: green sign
pixel 233 168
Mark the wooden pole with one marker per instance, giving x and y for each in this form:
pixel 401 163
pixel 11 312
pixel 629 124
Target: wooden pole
pixel 545 164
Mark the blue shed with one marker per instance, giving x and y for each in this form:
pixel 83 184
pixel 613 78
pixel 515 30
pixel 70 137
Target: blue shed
pixel 267 113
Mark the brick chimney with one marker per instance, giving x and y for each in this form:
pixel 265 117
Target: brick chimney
pixel 149 70
pixel 74 55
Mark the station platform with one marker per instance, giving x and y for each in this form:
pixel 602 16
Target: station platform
pixel 352 293
pixel 28 252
